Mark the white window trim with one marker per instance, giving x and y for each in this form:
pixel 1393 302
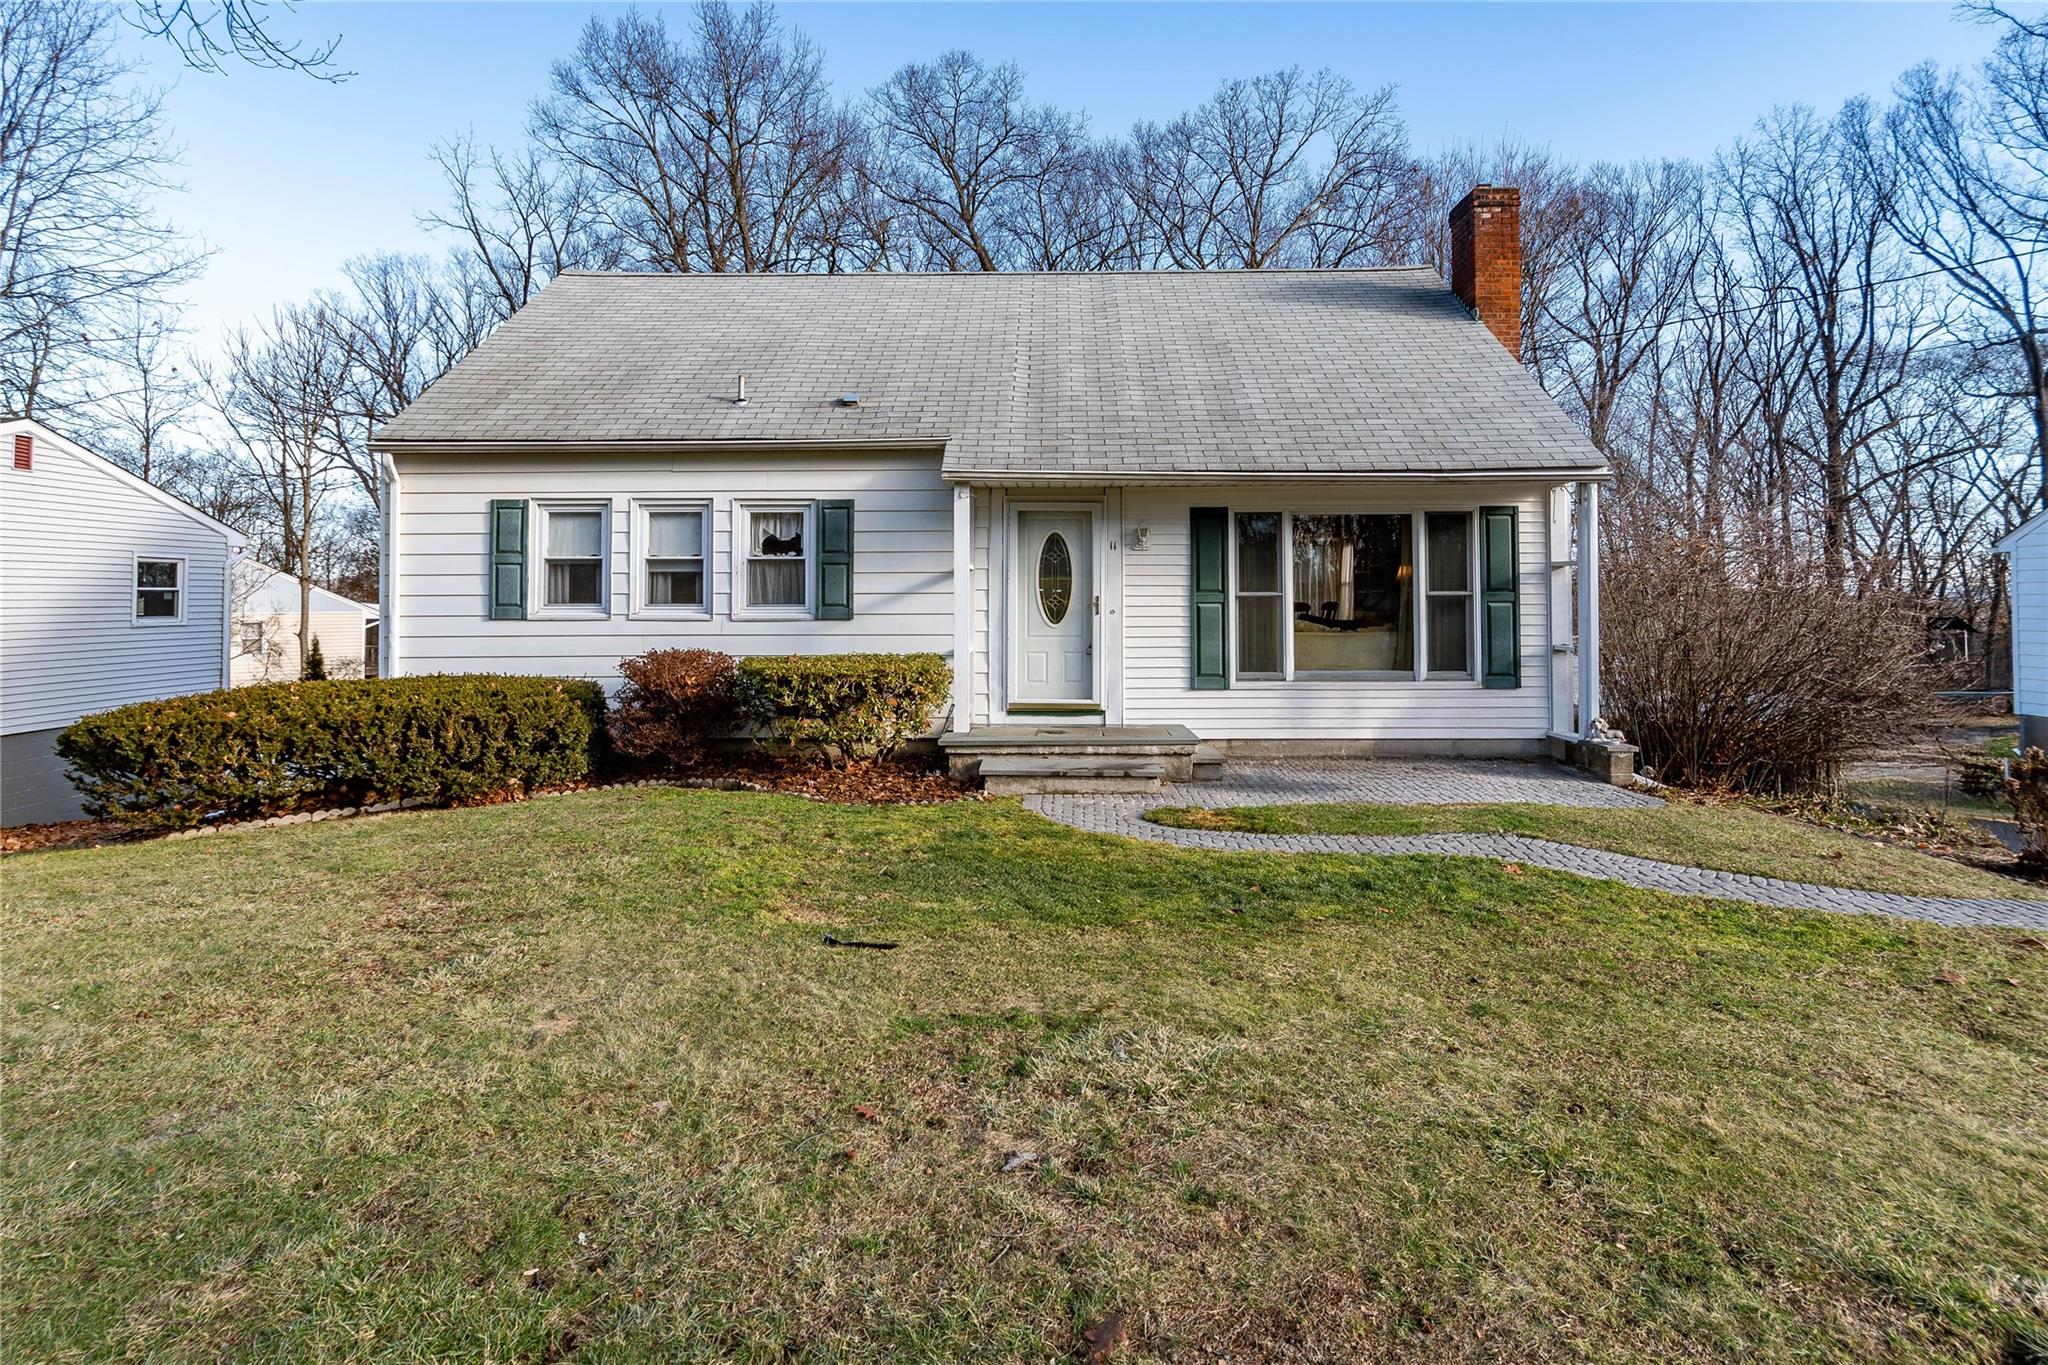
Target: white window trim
pixel 1419 565
pixel 641 536
pixel 1423 672
pixel 743 538
pixel 537 571
pixel 135 562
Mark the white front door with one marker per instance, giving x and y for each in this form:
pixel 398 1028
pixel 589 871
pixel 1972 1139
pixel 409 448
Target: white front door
pixel 1055 607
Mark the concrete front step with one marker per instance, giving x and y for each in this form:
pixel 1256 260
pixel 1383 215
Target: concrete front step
pixel 1208 763
pixel 1172 746
pixel 1069 774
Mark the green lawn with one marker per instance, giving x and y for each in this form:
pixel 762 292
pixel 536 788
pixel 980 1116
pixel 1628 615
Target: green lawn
pixel 577 1078
pixel 1730 838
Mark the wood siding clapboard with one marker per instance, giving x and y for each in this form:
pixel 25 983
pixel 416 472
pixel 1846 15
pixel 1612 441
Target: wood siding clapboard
pixel 901 548
pixel 1158 638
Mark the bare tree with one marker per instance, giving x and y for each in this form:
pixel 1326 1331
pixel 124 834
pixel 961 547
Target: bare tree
pixel 519 221
pixel 283 399
pixel 146 395
pixel 1627 267
pixel 1970 159
pixel 717 156
pixel 1813 219
pixel 400 328
pixel 1282 169
pixel 81 246
pixel 208 35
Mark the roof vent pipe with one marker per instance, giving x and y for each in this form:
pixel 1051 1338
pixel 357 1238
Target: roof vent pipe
pixel 739 399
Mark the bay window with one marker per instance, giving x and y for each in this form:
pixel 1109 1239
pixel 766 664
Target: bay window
pixel 1335 594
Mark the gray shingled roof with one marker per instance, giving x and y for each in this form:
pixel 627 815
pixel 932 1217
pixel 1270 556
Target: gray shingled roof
pixel 1036 376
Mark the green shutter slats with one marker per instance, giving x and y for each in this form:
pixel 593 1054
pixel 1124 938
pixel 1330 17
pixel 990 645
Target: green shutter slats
pixel 508 559
pixel 1500 579
pixel 1209 597
pixel 835 561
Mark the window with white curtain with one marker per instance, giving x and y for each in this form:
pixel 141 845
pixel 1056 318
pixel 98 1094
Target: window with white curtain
pixel 573 539
pixel 775 549
pixel 674 579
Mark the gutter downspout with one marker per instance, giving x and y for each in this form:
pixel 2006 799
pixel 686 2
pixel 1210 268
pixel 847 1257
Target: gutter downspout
pixel 387 572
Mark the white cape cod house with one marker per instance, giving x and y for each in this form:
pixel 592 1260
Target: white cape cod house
pixel 1269 508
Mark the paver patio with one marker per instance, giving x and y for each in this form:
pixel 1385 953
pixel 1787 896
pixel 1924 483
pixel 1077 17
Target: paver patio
pixel 1461 782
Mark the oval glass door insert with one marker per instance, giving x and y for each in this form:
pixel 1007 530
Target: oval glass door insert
pixel 1055 578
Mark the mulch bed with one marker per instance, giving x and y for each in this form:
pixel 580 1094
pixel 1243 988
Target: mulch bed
pixel 68 834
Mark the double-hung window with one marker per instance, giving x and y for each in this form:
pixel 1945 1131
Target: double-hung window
pixel 775 550
pixel 674 577
pixel 573 538
pixel 1448 556
pixel 159 589
pixel 1261 603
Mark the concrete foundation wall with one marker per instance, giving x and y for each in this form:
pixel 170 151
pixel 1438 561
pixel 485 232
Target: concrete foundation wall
pixel 35 788
pixel 1381 748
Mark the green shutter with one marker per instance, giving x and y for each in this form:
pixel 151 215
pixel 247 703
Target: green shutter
pixel 835 561
pixel 508 559
pixel 1209 596
pixel 1500 650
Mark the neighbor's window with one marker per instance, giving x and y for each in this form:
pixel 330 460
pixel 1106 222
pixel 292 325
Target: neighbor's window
pixel 1449 560
pixel 775 541
pixel 573 541
pixel 252 637
pixel 1260 608
pixel 1354 605
pixel 674 558
pixel 159 589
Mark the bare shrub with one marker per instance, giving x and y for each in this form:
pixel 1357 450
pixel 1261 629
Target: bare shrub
pixel 673 699
pixel 1749 683
pixel 2026 786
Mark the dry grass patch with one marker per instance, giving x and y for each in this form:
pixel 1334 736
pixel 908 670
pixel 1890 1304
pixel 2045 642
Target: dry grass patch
pixel 580 1078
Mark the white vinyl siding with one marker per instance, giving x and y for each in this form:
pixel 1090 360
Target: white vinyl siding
pixel 71 531
pixel 340 633
pixel 903 526
pixel 1156 643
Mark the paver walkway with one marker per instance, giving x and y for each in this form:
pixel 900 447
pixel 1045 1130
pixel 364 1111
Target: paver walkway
pixel 1458 782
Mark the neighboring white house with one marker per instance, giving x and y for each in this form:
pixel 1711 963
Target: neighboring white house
pixel 2027 549
pixel 1270 508
pixel 266 628
pixel 111 591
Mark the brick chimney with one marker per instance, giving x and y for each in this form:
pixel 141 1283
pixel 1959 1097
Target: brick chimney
pixel 1486 260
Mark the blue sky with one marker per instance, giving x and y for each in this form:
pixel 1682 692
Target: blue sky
pixel 286 177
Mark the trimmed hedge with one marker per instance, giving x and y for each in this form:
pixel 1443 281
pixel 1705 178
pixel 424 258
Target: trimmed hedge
pixel 255 751
pixel 853 705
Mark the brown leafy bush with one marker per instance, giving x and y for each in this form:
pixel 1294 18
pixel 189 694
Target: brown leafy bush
pixel 2026 786
pixel 673 699
pixel 1727 680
